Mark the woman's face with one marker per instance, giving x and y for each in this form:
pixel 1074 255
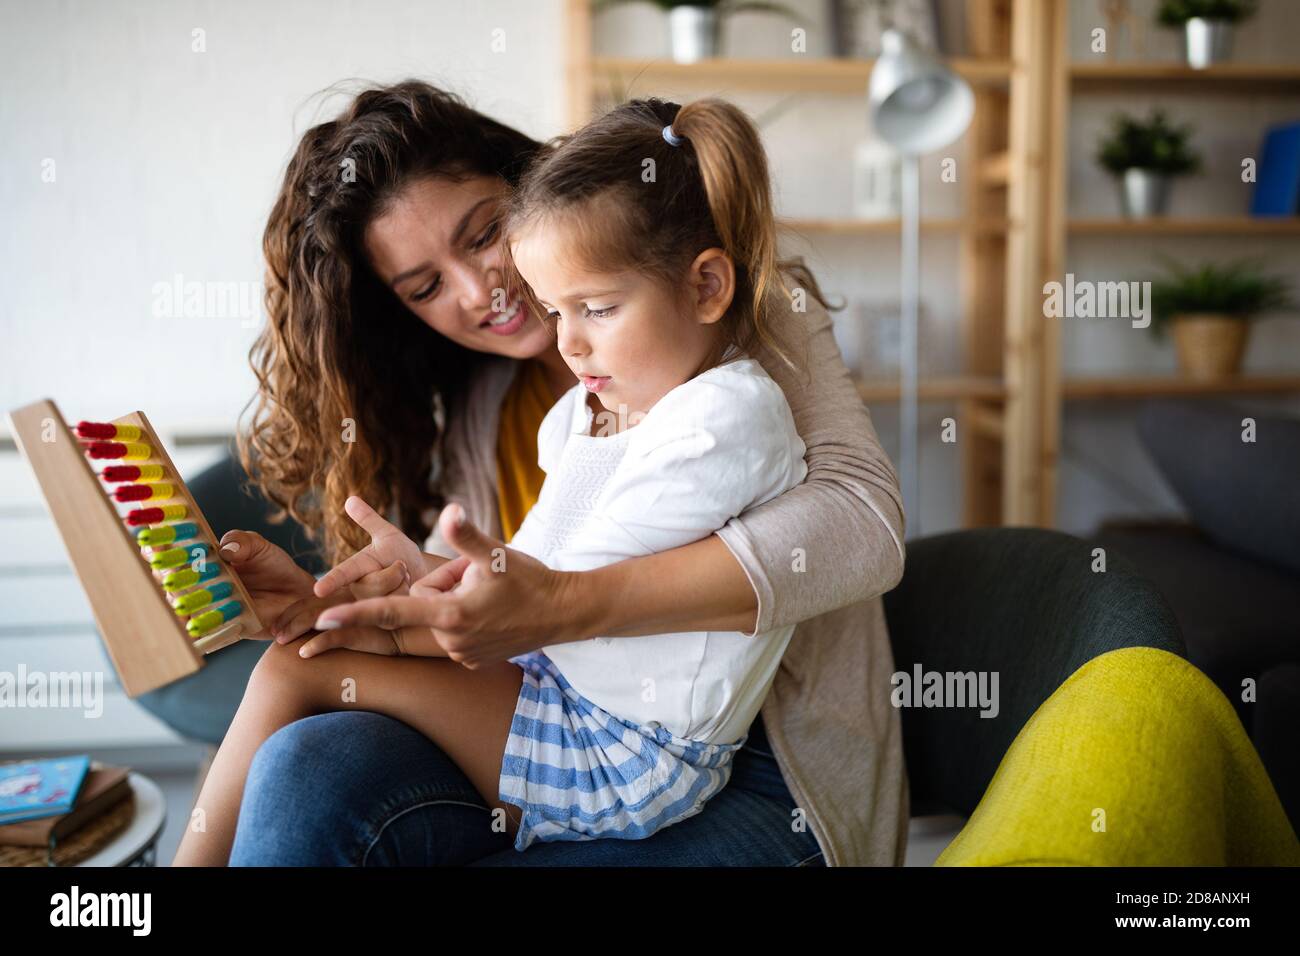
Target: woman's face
pixel 439 248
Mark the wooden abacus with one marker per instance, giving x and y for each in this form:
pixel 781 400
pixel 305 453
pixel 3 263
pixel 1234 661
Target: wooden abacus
pixel 147 635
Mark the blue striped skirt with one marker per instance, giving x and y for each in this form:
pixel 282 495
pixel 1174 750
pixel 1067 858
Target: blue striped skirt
pixel 578 772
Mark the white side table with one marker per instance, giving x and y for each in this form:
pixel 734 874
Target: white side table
pixel 136 845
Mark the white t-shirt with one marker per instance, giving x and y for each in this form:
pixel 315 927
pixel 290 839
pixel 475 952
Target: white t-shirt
pixel 708 450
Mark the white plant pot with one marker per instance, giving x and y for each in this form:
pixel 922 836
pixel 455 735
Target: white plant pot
pixel 1144 194
pixel 1207 42
pixel 693 33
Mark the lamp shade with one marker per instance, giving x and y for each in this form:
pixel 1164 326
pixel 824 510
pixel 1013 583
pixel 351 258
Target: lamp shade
pixel 917 104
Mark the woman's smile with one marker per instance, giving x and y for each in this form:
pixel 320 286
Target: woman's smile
pixel 508 322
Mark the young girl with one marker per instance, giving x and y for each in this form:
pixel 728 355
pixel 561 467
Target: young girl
pixel 647 240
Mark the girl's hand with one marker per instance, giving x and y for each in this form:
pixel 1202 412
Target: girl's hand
pixel 272 579
pixel 406 641
pixel 387 546
pixel 413 641
pixel 487 605
pixel 300 617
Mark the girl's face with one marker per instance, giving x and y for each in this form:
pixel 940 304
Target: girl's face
pixel 439 249
pixel 626 337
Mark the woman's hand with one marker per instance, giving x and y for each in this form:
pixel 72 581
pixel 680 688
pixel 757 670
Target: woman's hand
pixel 409 641
pixel 388 545
pixel 272 579
pixel 487 605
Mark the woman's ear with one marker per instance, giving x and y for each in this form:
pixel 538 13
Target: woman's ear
pixel 712 281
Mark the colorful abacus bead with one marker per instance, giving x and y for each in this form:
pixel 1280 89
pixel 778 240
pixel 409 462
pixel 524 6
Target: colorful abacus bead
pixel 116 474
pixel 210 620
pixel 156 537
pixel 126 451
pixel 156 515
pixel 175 557
pixel 188 577
pixel 108 431
pixel 155 492
pixel 197 600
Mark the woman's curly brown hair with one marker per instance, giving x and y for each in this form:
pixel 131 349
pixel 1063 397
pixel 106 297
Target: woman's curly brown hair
pixel 348 379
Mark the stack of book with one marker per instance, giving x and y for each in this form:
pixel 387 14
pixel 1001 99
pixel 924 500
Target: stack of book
pixel 42 802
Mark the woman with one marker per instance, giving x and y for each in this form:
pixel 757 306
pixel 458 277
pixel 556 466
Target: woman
pixel 391 369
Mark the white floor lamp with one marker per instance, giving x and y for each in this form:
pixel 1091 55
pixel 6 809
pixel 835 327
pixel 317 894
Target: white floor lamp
pixel 917 105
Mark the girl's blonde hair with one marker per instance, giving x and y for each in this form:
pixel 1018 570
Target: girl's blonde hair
pixel 630 200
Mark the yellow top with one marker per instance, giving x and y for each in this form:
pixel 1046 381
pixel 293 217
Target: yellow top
pixel 519 479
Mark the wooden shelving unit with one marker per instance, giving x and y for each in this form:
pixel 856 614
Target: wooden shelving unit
pixel 891 227
pixel 998 230
pixel 1224 226
pixel 1174 77
pixel 936 389
pixel 1168 386
pixel 795 74
pixel 1069 80
pixel 1013 230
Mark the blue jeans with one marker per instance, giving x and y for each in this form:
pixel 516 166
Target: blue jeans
pixel 355 788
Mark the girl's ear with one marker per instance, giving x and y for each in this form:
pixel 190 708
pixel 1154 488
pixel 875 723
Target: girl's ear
pixel 712 280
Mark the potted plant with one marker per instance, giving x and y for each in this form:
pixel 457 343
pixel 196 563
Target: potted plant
pixel 1145 156
pixel 1206 25
pixel 695 26
pixel 1209 309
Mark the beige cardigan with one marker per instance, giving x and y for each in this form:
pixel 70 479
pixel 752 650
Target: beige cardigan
pixel 835 735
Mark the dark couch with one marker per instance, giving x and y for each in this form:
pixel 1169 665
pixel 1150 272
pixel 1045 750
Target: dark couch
pixel 1231 572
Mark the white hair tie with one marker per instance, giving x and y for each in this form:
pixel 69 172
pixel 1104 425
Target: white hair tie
pixel 672 138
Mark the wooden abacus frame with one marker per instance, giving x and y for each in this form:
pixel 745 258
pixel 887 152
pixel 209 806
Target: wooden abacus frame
pixel 145 637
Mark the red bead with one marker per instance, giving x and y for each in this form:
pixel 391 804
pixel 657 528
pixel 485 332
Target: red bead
pixel 96 430
pixel 132 492
pixel 106 449
pixel 119 473
pixel 144 516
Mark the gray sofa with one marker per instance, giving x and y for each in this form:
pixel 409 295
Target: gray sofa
pixel 1231 572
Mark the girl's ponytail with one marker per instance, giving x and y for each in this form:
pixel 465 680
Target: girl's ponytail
pixel 733 167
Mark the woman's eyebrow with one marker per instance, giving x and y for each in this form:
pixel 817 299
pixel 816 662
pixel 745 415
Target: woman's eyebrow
pixel 403 276
pixel 464 220
pixel 455 238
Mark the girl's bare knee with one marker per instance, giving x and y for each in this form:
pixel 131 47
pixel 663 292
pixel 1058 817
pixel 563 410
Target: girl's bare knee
pixel 280 675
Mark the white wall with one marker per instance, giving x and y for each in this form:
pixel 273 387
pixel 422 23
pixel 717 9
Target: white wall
pixel 167 162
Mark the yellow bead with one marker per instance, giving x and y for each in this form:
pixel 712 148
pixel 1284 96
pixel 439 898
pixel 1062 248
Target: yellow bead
pixel 137 451
pixel 207 621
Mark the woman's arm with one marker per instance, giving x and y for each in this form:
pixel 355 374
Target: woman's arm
pixel 697 587
pixel 846 519
pixel 485 609
pixel 834 540
pixel 843 527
